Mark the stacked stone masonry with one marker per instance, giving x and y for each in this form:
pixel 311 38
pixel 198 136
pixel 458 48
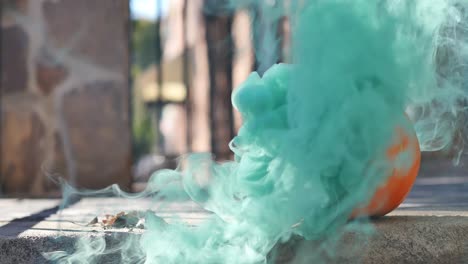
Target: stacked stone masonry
pixel 65 94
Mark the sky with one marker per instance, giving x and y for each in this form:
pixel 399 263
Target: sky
pixel 148 9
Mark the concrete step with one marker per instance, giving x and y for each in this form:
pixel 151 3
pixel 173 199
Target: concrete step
pixel 430 227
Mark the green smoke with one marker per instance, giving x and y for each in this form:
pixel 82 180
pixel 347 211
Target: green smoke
pixel 311 148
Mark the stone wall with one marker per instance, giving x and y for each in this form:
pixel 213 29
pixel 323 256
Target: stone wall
pixel 65 94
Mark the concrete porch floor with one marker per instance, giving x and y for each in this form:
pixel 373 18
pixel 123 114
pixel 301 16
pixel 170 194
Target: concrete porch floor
pixel 430 227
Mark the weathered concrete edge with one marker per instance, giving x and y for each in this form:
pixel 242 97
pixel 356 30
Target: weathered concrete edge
pixel 399 239
pixel 31 249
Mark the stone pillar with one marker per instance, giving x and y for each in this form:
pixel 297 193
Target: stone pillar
pixel 65 94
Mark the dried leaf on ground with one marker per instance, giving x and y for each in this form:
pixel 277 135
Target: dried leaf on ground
pixel 123 220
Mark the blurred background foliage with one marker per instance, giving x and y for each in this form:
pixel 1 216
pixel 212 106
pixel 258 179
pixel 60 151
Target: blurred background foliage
pixel 144 35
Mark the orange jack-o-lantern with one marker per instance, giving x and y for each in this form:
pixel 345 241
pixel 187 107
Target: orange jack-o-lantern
pixel 393 191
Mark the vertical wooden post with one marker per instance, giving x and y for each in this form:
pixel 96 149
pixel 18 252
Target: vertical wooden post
pixel 198 100
pixel 243 54
pixel 186 77
pixel 220 58
pixel 1 101
pixel 159 72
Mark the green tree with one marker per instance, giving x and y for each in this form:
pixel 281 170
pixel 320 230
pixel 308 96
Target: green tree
pixel 145 52
pixel 145 43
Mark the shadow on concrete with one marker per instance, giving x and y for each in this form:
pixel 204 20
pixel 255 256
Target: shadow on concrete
pixel 19 225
